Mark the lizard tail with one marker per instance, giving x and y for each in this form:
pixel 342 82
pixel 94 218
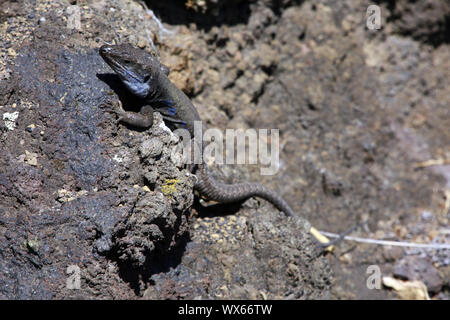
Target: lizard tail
pixel 221 192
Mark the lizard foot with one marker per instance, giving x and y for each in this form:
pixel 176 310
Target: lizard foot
pixel 114 107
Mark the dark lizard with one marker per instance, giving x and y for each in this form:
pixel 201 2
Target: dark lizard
pixel 145 77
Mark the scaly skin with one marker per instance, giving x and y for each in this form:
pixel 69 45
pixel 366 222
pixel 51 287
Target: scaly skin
pixel 144 76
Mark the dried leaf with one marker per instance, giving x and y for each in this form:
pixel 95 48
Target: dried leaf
pixel 407 290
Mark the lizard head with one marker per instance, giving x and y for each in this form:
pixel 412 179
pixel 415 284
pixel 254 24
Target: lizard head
pixel 136 68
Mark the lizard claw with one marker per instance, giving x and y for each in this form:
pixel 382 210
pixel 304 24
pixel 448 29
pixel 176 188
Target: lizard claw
pixel 113 107
pixel 107 105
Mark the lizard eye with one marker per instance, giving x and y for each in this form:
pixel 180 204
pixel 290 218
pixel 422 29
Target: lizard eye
pixel 146 78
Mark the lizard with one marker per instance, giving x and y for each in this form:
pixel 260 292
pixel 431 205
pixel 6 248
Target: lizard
pixel 145 77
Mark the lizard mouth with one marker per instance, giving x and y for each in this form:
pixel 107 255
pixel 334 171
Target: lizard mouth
pixel 118 67
pixel 124 72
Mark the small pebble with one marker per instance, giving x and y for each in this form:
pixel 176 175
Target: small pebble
pixel 426 215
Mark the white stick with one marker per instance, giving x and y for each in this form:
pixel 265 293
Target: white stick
pixel 390 243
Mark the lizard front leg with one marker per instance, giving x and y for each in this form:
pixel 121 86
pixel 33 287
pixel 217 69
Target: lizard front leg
pixel 142 119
